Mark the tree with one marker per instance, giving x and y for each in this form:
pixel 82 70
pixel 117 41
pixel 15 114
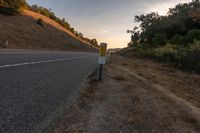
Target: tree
pixel 13 3
pixel 94 42
pixel 159 40
pixel 135 36
pixel 80 35
pixel 11 7
pixel 180 20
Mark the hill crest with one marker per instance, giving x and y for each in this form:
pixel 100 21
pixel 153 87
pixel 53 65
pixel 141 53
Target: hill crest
pixel 22 31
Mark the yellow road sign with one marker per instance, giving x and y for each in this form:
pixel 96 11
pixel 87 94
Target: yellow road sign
pixel 102 53
pixel 102 50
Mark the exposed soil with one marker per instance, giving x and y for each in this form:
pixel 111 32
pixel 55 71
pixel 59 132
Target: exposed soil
pixel 136 96
pixel 23 31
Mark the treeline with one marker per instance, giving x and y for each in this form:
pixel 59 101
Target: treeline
pixel 173 38
pixel 11 7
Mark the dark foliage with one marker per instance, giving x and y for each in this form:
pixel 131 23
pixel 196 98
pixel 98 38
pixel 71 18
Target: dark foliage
pixel 174 38
pixel 8 11
pixel 180 20
pixel 13 3
pixel 40 22
pixel 159 40
pixel 11 7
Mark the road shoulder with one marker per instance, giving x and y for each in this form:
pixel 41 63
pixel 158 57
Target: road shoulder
pixel 136 96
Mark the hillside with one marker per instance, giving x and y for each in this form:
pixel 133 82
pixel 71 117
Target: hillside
pixel 23 31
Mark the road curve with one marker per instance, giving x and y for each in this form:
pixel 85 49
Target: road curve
pixel 36 86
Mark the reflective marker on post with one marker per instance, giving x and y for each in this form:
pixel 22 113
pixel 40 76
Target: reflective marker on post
pixel 102 58
pixel 6 44
pixel 102 53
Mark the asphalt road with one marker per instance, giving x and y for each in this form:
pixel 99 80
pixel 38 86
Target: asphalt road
pixel 36 86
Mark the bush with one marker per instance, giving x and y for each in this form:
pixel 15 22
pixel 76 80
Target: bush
pixel 16 4
pixel 192 35
pixel 182 57
pixel 167 53
pixel 12 7
pixel 177 40
pixel 187 39
pixel 185 57
pixel 159 40
pixel 8 11
pixel 189 58
pixel 40 22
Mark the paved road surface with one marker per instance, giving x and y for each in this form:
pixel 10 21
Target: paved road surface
pixel 36 86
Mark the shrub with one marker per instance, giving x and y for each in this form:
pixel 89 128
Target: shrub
pixel 167 53
pixel 159 40
pixel 8 11
pixel 40 22
pixel 182 57
pixel 187 39
pixel 16 4
pixel 195 46
pixel 189 59
pixel 11 7
pixel 192 35
pixel 177 40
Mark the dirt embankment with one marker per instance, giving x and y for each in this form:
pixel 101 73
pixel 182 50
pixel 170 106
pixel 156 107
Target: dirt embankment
pixel 22 31
pixel 136 96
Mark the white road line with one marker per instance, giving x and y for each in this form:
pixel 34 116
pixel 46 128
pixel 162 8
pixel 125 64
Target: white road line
pixel 39 62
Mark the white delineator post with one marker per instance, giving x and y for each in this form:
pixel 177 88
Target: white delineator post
pixel 102 58
pixel 6 43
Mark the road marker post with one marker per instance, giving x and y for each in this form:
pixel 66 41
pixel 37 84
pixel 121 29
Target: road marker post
pixel 102 59
pixel 6 45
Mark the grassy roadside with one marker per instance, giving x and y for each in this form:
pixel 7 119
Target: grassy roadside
pixel 136 96
pixel 186 58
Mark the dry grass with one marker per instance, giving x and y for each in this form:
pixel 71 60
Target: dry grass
pixel 124 64
pixel 139 105
pixel 119 78
pixel 22 31
pixel 88 92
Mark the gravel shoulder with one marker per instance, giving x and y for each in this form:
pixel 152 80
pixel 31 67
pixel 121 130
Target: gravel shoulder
pixel 136 96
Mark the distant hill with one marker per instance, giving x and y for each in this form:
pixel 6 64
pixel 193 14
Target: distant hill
pixel 23 31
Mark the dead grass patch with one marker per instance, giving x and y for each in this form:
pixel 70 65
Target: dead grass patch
pixel 135 105
pixel 31 30
pixel 124 64
pixel 119 78
pixel 89 91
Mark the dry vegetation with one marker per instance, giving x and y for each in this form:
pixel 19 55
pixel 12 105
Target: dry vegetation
pixel 136 96
pixel 23 31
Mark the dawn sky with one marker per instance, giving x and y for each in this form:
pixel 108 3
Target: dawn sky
pixel 106 20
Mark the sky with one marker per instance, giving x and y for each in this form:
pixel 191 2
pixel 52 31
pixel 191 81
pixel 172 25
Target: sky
pixel 105 20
